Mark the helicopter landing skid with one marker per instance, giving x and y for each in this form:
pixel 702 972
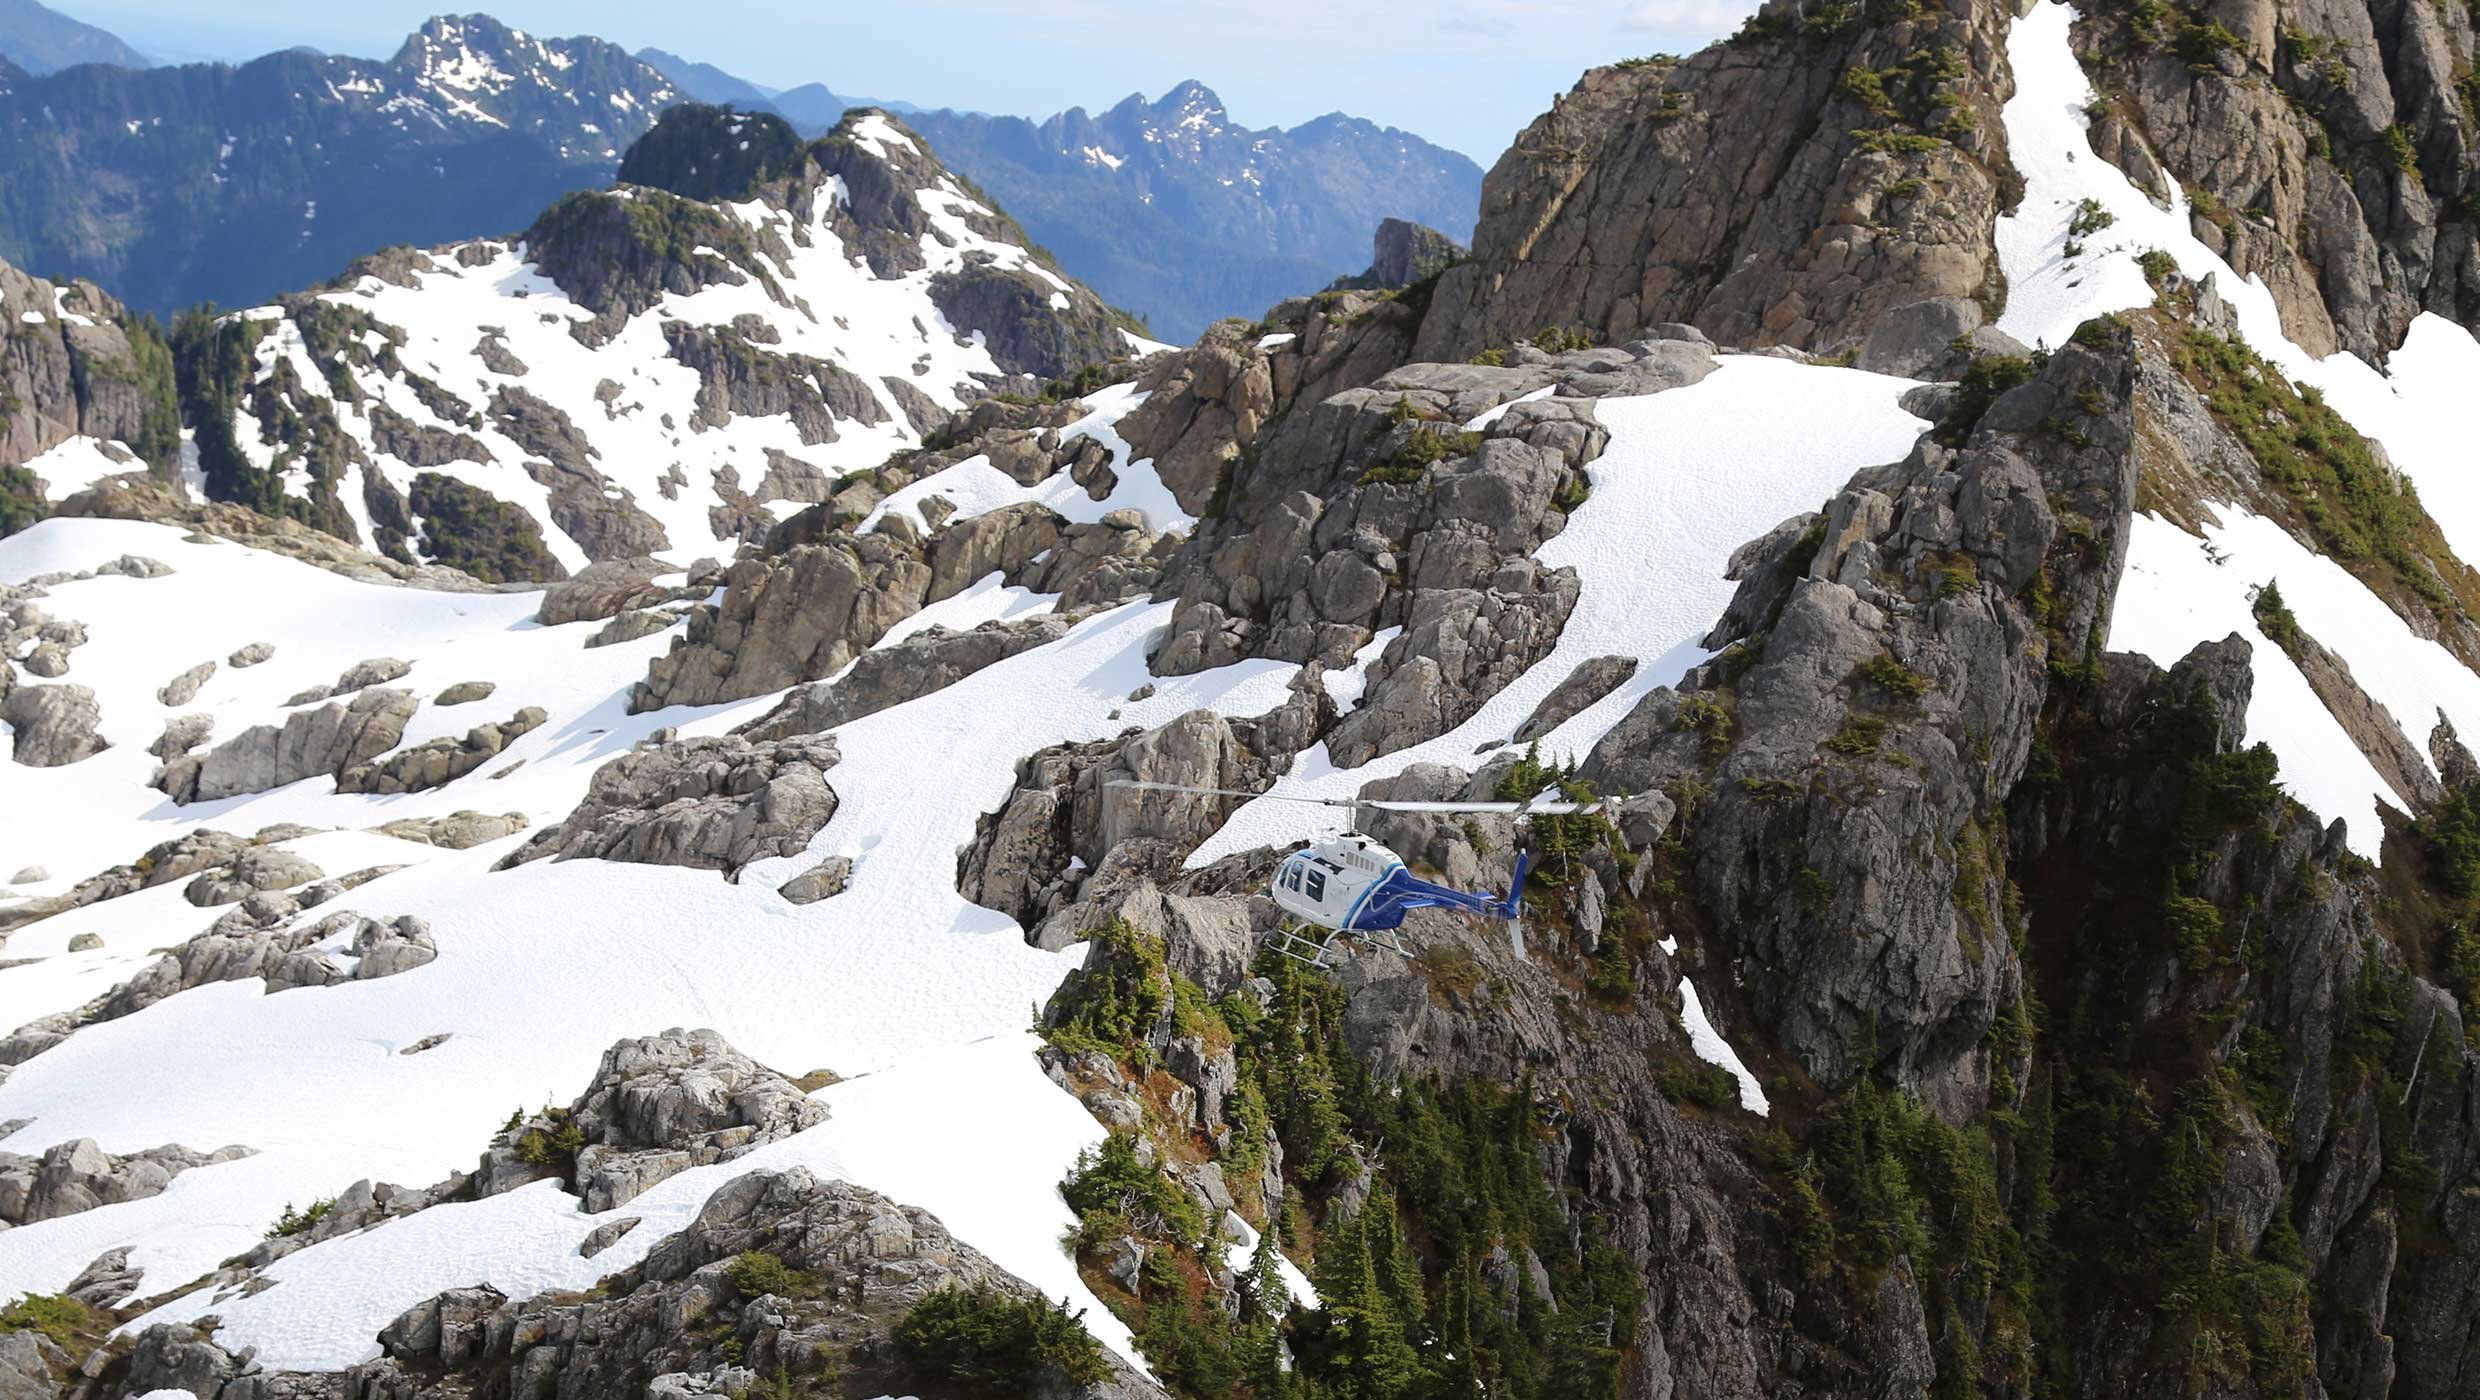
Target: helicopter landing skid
pixel 1325 953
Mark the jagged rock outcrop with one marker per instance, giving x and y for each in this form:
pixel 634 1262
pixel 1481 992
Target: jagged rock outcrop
pixel 713 803
pixel 1063 824
pixel 1403 253
pixel 656 1107
pixel 1377 508
pixel 630 1334
pixel 250 942
pixel 440 761
pixel 328 740
pixel 1896 652
pixel 2335 151
pixel 77 364
pixel 51 725
pixel 1787 187
pixel 821 595
pixel 75 1176
pixel 929 660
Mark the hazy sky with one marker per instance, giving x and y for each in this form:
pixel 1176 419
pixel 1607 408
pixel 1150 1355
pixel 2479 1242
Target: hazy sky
pixel 1465 73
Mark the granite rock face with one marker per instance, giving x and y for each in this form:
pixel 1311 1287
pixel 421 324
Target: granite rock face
pixel 2336 143
pixel 1750 190
pixel 328 740
pixel 712 803
pixel 656 1107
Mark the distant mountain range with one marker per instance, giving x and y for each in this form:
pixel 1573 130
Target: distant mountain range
pixel 210 182
pixel 1168 207
pixel 40 40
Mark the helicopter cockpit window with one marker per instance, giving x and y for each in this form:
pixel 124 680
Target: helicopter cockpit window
pixel 1291 878
pixel 1317 885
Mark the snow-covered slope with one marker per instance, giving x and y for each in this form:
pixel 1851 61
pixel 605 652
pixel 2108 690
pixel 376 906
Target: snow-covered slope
pixel 642 373
pixel 918 998
pixel 2182 589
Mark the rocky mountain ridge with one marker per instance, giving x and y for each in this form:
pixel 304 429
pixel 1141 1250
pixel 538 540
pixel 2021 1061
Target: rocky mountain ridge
pixel 2030 955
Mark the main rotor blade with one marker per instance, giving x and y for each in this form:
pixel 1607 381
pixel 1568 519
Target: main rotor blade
pixel 1376 804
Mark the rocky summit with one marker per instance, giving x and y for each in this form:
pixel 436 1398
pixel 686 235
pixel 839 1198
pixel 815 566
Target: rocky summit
pixel 687 803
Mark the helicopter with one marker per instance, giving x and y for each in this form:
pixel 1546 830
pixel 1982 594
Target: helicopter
pixel 1349 886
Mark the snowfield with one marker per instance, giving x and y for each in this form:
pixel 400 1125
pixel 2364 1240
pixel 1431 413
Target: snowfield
pixel 2170 598
pixel 918 998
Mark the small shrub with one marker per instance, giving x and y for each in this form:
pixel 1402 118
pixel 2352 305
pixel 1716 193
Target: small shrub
pixel 2101 332
pixel 1709 1087
pixel 2089 218
pixel 1495 359
pixel 1859 737
pixel 1558 340
pixel 1893 677
pixel 2399 149
pixel 989 1343
pixel 755 1272
pixel 1115 1194
pixel 1983 382
pixel 2273 616
pixel 2157 266
pixel 2201 43
pixel 293 1222
pixel 58 1318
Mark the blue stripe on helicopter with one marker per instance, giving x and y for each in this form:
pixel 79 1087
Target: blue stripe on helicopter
pixel 1352 920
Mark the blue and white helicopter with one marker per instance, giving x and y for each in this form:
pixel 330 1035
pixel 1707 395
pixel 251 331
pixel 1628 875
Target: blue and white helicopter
pixel 1348 886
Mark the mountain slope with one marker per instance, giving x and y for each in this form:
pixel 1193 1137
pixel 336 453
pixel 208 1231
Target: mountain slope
pixel 211 183
pixel 665 367
pixel 42 40
pixel 2028 951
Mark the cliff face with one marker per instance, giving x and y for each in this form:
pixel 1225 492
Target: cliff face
pixel 2328 149
pixel 1787 187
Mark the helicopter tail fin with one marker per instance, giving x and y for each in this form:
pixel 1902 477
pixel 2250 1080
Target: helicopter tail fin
pixel 1512 906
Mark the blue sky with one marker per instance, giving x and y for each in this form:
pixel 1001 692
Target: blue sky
pixel 1465 73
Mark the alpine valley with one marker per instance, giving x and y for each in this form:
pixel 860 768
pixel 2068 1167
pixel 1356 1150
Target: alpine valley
pixel 566 789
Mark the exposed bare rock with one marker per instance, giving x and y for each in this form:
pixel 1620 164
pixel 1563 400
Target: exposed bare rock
pixel 602 518
pixel 253 870
pixel 1750 190
pixel 341 947
pixel 52 725
pixel 2289 133
pixel 1584 687
pixel 655 1108
pixel 629 1335
pixel 457 831
pixel 181 734
pixel 76 1176
pixel 1064 823
pixel 176 859
pixel 630 626
pixel 466 693
pixel 711 803
pixel 327 740
pixel 606 588
pixel 929 660
pixel 440 761
pixel 825 880
pixel 359 676
pixel 250 655
pixel 183 688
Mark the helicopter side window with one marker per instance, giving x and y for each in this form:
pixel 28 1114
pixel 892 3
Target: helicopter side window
pixel 1291 878
pixel 1317 886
